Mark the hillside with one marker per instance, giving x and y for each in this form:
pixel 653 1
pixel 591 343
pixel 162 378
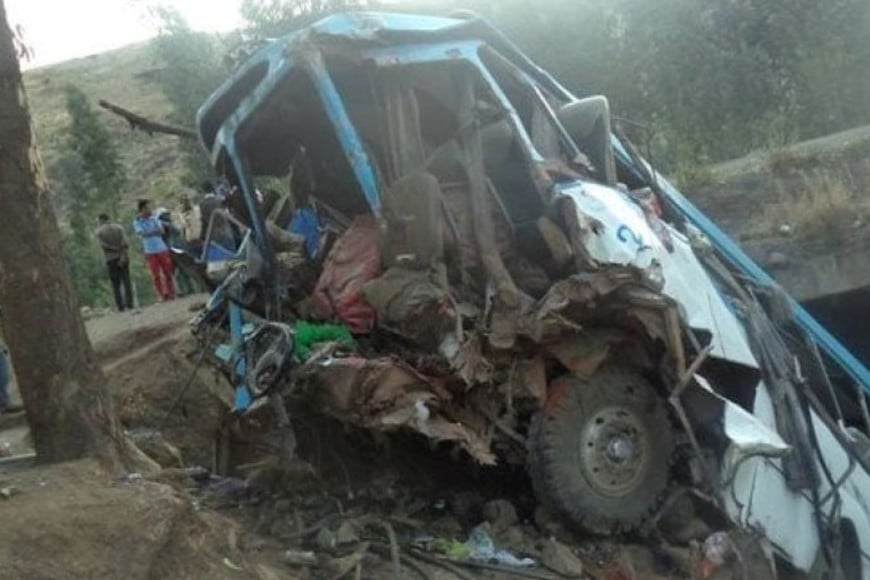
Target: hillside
pixel 124 76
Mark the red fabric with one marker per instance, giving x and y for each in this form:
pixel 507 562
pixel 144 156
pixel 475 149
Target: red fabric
pixel 161 268
pixel 354 260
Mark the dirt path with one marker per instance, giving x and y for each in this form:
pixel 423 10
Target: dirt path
pixel 107 332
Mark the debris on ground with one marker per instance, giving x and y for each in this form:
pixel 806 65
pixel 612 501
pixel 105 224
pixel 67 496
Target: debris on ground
pixel 559 558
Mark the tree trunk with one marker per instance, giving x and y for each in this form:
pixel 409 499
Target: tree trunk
pixel 68 407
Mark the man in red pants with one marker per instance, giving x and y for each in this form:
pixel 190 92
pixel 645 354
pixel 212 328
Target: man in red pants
pixel 157 256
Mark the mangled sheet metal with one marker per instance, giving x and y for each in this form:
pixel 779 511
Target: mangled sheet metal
pixel 383 394
pixel 510 296
pixel 623 236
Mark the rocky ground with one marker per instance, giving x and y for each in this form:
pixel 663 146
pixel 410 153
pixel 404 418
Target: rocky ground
pixel 347 507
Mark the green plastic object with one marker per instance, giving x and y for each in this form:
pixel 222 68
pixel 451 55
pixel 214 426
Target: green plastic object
pixel 307 334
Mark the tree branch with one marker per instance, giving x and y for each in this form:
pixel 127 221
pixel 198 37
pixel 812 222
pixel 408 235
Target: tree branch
pixel 146 125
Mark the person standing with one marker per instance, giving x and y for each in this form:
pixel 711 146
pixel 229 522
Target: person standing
pixel 113 242
pixel 173 236
pixel 211 201
pixel 6 404
pixel 150 230
pixel 191 226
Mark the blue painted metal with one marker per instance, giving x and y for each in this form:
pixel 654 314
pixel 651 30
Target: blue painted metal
pixel 242 396
pixel 214 252
pixel 255 216
pixel 737 258
pixel 272 56
pixel 347 134
pixel 370 25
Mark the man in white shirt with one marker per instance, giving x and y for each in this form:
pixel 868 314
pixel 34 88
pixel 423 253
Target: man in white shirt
pixel 191 225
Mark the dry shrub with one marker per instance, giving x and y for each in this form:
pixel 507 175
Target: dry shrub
pixel 784 160
pixel 824 212
pixel 689 177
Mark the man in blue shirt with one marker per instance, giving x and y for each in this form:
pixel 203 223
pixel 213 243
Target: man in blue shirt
pixel 150 230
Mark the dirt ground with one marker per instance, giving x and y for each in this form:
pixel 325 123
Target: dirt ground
pixel 350 507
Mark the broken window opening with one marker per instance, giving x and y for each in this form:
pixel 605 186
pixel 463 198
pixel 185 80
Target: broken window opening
pixel 413 120
pixel 291 120
pixel 228 102
pixel 420 117
pixel 535 108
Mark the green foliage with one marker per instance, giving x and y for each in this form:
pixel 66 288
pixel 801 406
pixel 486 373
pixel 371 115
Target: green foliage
pixel 87 269
pixel 191 69
pixel 690 177
pixel 102 177
pixel 715 78
pixel 94 179
pixel 274 18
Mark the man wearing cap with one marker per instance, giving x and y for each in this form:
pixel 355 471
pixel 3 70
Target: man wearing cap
pixel 150 230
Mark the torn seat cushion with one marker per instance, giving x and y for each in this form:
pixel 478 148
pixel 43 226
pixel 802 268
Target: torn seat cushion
pixel 353 261
pixel 413 304
pixel 412 208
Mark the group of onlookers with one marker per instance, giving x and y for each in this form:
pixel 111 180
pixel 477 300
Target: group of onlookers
pixel 160 233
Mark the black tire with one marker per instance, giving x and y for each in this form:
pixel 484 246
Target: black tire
pixel 600 451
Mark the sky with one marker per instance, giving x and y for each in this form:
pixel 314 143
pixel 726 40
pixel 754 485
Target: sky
pixel 59 30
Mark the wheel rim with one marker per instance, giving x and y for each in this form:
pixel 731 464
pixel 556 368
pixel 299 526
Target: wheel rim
pixel 613 451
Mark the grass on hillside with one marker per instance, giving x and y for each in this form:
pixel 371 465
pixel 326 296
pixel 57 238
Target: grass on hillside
pixel 126 77
pixel 823 211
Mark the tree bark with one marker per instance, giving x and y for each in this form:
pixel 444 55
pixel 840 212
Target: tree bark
pixel 68 407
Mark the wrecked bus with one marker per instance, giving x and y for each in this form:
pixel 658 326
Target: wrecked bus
pixel 430 234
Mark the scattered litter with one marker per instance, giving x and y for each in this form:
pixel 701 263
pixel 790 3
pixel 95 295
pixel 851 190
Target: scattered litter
pixel 718 548
pixel 232 566
pixel 130 477
pixel 481 547
pixel 8 491
pixel 453 549
pixel 329 539
pixel 299 558
pixel 560 559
